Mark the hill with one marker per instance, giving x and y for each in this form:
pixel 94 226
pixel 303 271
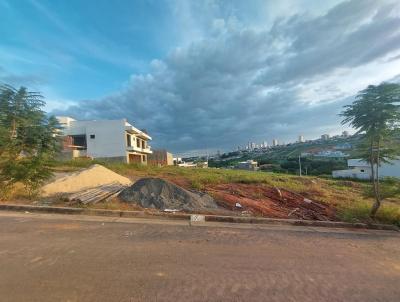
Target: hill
pixel 318 156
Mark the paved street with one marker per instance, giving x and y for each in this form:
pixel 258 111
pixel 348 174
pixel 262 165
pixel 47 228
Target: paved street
pixel 46 257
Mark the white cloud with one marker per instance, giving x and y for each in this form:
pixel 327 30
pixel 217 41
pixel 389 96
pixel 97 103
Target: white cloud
pixel 232 80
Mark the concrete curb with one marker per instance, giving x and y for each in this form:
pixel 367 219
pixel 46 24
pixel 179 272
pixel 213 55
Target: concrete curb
pixel 183 216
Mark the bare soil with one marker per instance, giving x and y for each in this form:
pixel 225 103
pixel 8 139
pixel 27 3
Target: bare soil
pixel 262 200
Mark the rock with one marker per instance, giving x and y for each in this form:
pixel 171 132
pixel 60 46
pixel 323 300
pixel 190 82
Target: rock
pixel 161 194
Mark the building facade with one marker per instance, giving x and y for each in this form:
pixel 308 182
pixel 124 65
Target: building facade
pixel 161 158
pixel 250 165
pixel 325 137
pixel 104 139
pixel 360 169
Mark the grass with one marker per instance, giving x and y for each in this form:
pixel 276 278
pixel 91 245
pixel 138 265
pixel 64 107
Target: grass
pixel 345 195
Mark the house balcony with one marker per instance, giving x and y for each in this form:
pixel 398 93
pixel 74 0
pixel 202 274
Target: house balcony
pixel 141 150
pixel 132 130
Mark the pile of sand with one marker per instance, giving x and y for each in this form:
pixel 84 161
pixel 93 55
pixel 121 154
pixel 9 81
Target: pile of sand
pixel 94 176
pixel 160 194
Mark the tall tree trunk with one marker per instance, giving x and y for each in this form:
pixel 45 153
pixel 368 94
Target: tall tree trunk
pixel 13 129
pixel 377 202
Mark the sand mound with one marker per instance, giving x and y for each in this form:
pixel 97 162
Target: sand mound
pixel 94 176
pixel 160 194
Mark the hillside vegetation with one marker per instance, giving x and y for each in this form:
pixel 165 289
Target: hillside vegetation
pixel 284 158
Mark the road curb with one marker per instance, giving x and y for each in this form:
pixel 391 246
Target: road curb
pixel 183 216
pixel 294 222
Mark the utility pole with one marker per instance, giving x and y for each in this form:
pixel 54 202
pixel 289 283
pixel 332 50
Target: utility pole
pixel 300 164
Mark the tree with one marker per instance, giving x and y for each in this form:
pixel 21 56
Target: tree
pixel 390 188
pixel 375 114
pixel 28 141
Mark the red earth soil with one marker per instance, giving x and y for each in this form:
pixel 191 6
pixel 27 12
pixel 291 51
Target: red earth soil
pixel 260 199
pixel 266 201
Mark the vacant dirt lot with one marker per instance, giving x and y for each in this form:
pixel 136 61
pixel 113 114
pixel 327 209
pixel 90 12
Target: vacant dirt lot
pixel 65 258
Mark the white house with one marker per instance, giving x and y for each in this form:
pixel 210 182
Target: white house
pixel 361 170
pixel 247 165
pixel 104 139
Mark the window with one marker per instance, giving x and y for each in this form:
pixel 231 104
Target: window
pixel 79 141
pixel 138 143
pixel 128 140
pixel 362 170
pixel 92 136
pixel 144 158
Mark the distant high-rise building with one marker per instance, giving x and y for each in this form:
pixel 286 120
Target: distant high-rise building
pixel 345 134
pixel 274 142
pixel 265 144
pixel 301 139
pixel 325 137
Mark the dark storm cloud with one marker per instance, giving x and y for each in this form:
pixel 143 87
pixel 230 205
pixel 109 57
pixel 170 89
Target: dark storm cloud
pixel 351 34
pixel 247 83
pixel 16 80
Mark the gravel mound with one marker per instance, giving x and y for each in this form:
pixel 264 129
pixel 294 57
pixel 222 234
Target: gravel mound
pixel 160 194
pixel 93 176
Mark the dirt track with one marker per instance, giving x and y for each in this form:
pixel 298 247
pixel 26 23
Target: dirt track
pixel 65 258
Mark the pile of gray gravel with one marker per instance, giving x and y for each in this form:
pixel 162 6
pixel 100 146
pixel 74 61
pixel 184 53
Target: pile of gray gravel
pixel 160 194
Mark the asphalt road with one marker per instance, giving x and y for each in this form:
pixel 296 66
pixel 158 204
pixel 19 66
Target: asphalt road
pixel 46 257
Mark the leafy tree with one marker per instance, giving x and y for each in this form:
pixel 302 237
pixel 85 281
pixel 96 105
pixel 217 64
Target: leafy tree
pixel 375 113
pixel 28 141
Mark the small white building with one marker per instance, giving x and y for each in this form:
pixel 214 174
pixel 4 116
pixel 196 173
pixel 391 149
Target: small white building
pixel 331 154
pixel 325 137
pixel 360 169
pixel 250 165
pixel 104 139
pixel 345 134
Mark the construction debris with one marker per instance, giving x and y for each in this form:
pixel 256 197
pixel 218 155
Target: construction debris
pixel 238 205
pixel 98 194
pixel 267 201
pixel 92 177
pixel 161 194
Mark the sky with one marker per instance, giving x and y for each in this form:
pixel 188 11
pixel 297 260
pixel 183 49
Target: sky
pixel 202 76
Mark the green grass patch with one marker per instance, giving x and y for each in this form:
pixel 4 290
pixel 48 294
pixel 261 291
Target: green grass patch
pixel 347 196
pixel 358 211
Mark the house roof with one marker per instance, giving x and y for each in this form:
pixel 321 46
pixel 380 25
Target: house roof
pixel 134 130
pixel 357 162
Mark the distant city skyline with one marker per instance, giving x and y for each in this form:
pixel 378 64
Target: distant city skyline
pixel 265 144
